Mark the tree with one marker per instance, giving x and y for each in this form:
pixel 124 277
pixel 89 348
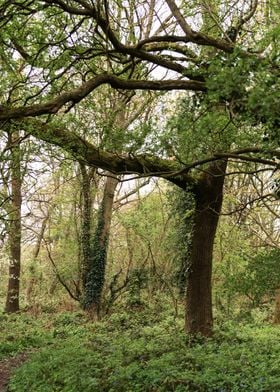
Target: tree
pixel 228 72
pixel 95 244
pixel 95 275
pixel 12 300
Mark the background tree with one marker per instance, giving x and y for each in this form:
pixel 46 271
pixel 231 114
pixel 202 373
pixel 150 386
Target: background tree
pixel 14 216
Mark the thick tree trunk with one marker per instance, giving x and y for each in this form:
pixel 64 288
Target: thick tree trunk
pixel 277 307
pixel 94 279
pixel 208 203
pixel 12 300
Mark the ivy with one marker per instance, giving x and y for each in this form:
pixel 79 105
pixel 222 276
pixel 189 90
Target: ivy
pixel 95 271
pixel 182 206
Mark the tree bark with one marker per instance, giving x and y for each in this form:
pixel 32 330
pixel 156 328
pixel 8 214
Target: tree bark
pixel 94 279
pixel 208 203
pixel 277 307
pixel 86 220
pixel 12 300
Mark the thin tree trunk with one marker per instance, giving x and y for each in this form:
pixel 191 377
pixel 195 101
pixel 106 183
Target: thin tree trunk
pixel 208 203
pixel 277 307
pixel 96 275
pixel 12 300
pixel 36 251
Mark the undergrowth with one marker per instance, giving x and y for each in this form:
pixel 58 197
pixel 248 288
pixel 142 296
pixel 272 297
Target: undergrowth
pixel 21 332
pixel 143 352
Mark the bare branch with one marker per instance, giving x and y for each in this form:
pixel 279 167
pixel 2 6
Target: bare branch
pixel 179 17
pixel 247 159
pixel 59 277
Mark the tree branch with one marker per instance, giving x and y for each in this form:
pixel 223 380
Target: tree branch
pixel 86 152
pixel 247 158
pixel 179 18
pixel 74 96
pixel 63 283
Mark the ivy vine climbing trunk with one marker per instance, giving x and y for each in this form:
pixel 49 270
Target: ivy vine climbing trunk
pixel 95 276
pixel 208 203
pixel 12 299
pixel 87 196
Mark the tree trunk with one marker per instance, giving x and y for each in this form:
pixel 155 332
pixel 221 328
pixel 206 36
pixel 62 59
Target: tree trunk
pixel 12 300
pixel 94 279
pixel 277 307
pixel 208 203
pixel 86 220
pixel 36 251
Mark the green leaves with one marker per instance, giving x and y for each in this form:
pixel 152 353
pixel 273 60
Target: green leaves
pixel 261 276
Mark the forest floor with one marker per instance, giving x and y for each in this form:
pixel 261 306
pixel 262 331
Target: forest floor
pixel 139 351
pixel 7 365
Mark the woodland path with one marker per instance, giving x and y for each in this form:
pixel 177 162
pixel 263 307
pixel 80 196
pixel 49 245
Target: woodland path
pixel 9 364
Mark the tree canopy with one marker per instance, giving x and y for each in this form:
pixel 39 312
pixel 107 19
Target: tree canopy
pixel 56 54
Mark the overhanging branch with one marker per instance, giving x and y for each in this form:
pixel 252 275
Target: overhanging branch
pixel 91 155
pixel 74 96
pixel 147 165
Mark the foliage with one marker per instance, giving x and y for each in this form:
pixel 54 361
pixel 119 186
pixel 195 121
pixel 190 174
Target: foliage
pixel 141 247
pixel 260 277
pixel 246 271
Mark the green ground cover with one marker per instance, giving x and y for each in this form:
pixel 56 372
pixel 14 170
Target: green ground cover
pixel 139 351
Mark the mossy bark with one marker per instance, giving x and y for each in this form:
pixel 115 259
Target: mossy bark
pixel 95 276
